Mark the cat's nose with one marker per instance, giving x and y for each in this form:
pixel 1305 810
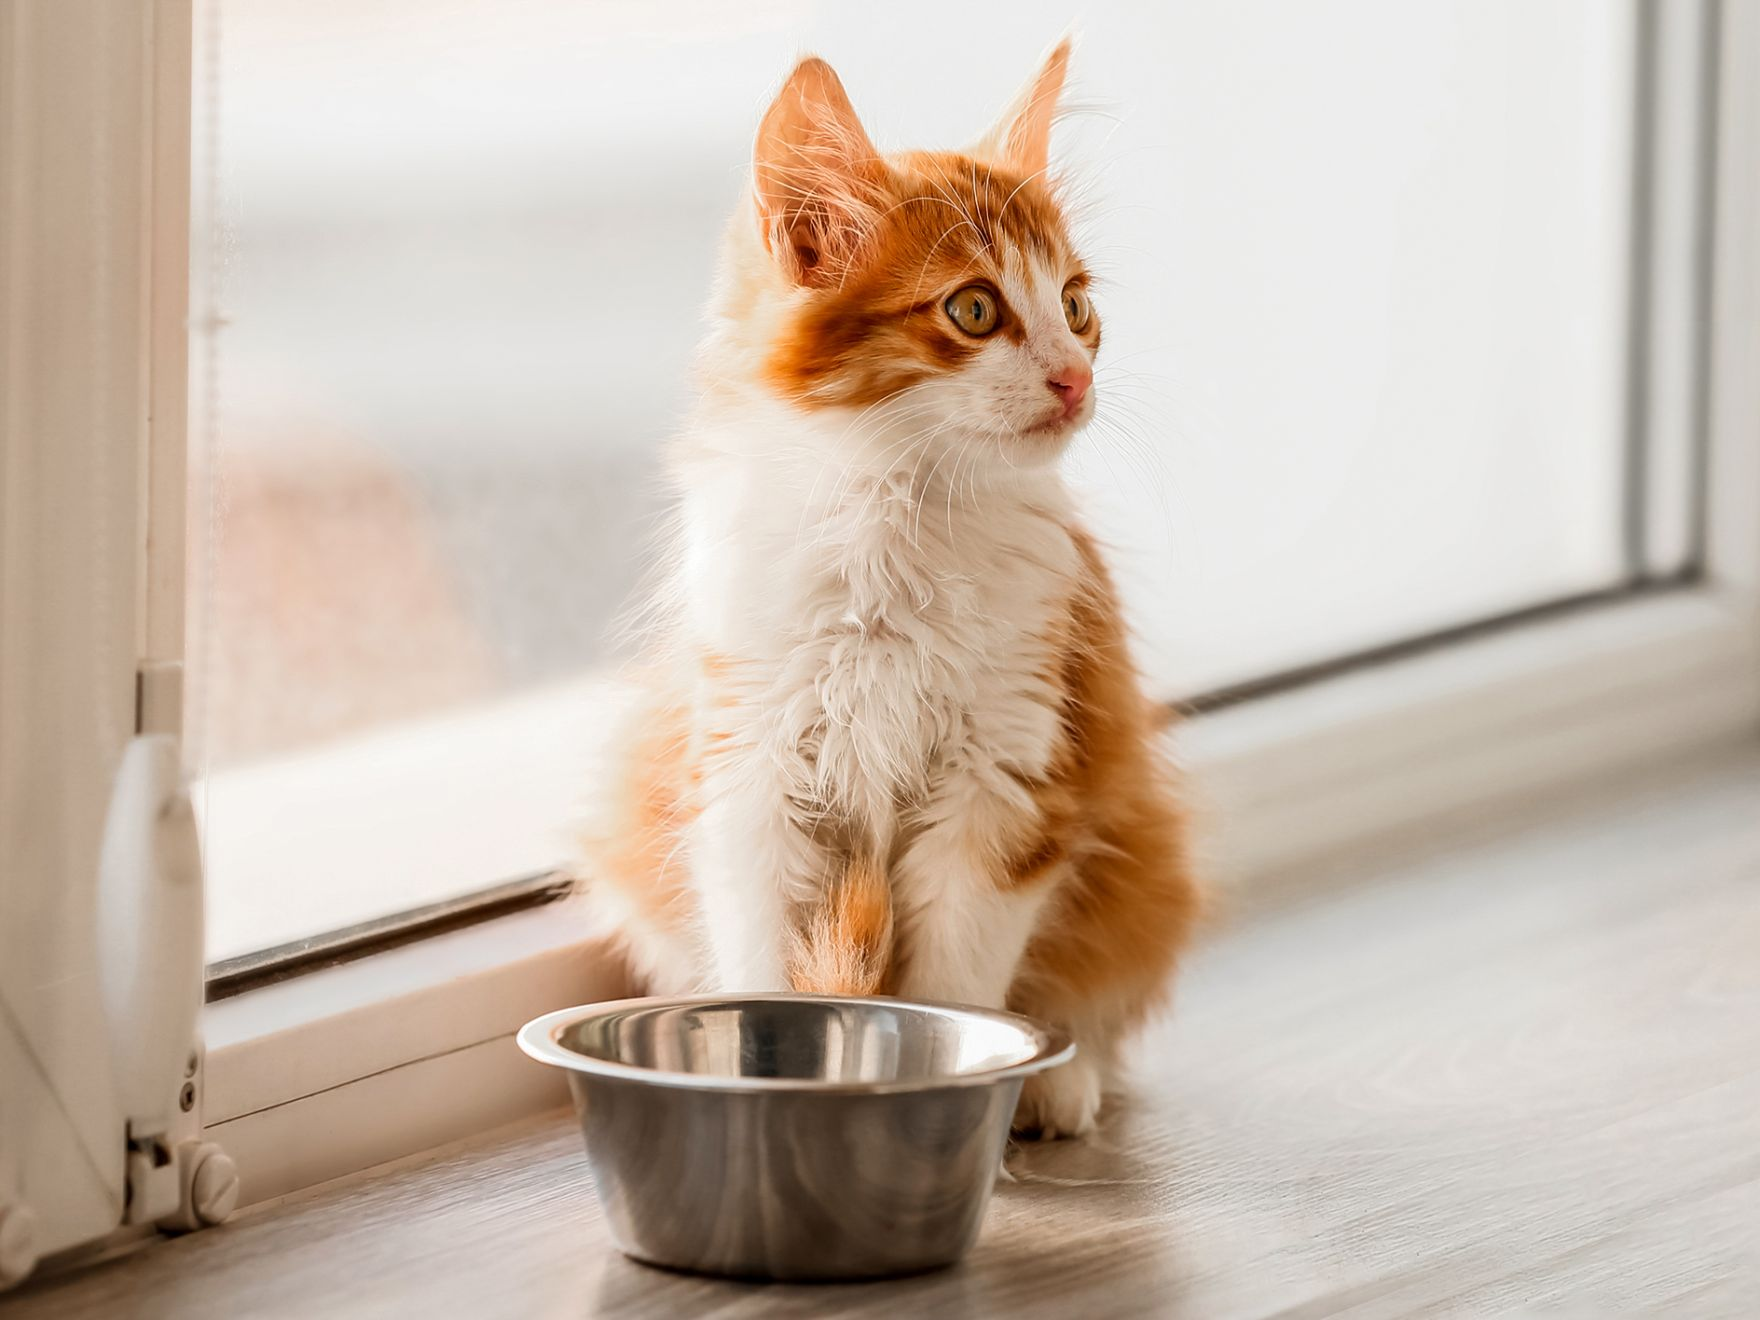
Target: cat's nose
pixel 1070 384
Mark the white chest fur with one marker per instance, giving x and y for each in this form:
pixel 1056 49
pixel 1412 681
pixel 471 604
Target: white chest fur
pixel 889 629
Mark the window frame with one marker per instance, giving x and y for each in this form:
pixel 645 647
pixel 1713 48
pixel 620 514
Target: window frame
pixel 397 1052
pixel 94 221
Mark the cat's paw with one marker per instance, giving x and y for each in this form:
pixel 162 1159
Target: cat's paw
pixel 1064 1102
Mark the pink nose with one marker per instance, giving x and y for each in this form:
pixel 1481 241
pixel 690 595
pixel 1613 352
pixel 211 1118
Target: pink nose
pixel 1070 384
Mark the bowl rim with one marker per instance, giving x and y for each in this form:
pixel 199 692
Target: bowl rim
pixel 538 1039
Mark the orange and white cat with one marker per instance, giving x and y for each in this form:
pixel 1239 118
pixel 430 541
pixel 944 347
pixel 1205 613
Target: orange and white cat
pixel 897 744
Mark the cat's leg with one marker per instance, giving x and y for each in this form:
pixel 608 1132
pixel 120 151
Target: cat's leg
pixel 1104 952
pixel 1066 1101
pixel 963 935
pixel 753 858
pixel 964 915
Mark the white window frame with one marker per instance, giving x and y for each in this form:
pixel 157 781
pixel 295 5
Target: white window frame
pixel 94 222
pixel 316 1076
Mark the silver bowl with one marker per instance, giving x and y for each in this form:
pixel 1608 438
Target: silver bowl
pixel 794 1136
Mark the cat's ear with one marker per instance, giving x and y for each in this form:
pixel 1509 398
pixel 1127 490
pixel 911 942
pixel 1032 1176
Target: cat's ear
pixel 1021 138
pixel 816 176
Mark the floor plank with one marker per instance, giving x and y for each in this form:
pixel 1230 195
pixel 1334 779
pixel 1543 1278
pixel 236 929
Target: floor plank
pixel 1514 1070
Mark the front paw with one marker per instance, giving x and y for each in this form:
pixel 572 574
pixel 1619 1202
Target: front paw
pixel 1064 1102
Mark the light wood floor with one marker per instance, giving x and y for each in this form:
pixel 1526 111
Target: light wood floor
pixel 1517 1072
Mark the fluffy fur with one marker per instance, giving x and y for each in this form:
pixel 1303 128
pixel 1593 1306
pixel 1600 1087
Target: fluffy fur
pixel 896 744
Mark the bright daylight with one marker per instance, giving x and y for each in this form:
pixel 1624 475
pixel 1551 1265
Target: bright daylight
pixel 685 658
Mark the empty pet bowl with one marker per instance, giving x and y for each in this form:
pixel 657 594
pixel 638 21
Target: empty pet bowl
pixel 793 1136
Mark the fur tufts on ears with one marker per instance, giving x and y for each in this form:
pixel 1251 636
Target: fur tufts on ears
pixel 817 179
pixel 1021 138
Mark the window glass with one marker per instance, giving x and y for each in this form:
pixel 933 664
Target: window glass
pixel 1364 280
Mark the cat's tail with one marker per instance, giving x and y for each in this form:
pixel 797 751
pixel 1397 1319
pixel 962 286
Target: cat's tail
pixel 845 945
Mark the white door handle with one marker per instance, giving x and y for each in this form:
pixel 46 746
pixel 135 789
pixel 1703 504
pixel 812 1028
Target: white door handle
pixel 150 929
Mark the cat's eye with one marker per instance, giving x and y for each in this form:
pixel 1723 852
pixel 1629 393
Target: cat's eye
pixel 974 309
pixel 1075 307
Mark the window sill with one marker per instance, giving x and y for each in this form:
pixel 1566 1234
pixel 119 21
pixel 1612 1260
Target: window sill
pixel 1477 727
pixel 318 1076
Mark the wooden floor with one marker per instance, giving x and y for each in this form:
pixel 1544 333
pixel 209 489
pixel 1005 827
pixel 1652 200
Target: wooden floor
pixel 1517 1072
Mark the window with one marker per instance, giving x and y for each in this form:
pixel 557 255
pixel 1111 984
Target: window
pixel 1380 279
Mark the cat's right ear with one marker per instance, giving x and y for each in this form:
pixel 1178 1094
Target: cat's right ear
pixel 816 176
pixel 1021 139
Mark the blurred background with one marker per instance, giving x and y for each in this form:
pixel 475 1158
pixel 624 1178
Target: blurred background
pixel 1366 279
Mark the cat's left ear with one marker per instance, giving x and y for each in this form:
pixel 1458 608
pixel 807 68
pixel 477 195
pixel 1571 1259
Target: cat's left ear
pixel 1021 138
pixel 816 176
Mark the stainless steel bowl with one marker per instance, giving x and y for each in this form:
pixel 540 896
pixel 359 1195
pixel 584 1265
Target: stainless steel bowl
pixel 794 1136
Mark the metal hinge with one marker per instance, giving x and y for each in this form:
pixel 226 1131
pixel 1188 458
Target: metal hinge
pixel 150 919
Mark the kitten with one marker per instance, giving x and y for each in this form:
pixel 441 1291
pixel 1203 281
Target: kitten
pixel 898 746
